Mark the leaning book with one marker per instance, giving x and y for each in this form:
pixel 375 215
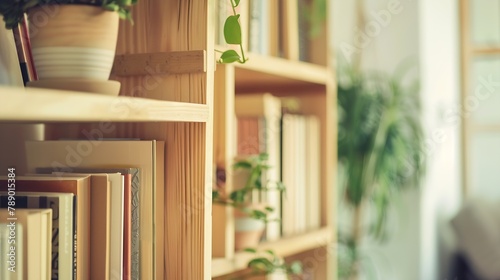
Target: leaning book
pixel 62 226
pixel 36 240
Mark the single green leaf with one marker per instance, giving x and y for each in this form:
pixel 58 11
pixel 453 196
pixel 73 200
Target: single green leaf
pixel 229 56
pixel 264 156
pixel 271 252
pixel 250 250
pixel 259 215
pixel 296 267
pixel 30 4
pixel 215 195
pixel 241 164
pixel 236 3
pixel 232 30
pixel 238 196
pixel 260 264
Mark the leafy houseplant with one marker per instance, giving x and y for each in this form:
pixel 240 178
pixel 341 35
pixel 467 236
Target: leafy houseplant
pixel 253 169
pixel 241 197
pixel 73 42
pixel 268 263
pixel 250 216
pixel 13 11
pixel 379 142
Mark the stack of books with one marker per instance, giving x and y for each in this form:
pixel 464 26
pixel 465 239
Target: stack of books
pixel 98 203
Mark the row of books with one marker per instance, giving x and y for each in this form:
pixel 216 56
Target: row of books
pixel 269 27
pixel 104 198
pixel 292 142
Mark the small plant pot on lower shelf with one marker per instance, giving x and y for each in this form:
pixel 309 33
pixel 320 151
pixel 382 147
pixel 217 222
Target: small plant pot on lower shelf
pixel 248 231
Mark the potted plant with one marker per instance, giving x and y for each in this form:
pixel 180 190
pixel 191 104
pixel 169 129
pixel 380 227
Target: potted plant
pixel 379 153
pixel 70 39
pixel 250 215
pixel 268 263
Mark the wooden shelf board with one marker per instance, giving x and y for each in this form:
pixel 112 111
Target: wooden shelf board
pixel 284 247
pixel 486 50
pixel 43 105
pixel 265 73
pixel 493 128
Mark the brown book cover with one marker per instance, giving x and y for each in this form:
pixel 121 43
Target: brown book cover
pixel 80 187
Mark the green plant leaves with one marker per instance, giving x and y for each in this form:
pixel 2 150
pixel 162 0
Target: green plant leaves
pixel 242 164
pixel 250 250
pixel 295 268
pixel 232 30
pixel 13 11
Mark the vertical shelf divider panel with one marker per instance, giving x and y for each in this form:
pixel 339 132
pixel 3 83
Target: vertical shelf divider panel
pixel 314 86
pixel 165 26
pixel 224 152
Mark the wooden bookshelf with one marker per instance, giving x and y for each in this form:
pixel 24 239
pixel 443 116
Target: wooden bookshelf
pixel 178 107
pixel 284 247
pixel 172 105
pixel 313 87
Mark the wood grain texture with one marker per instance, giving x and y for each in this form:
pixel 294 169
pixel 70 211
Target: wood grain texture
pixel 271 74
pixel 42 105
pixel 284 247
pixel 224 152
pixel 465 86
pixel 179 25
pixel 160 63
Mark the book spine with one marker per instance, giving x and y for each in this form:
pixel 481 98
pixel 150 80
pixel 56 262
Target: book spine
pixel 135 227
pixel 32 202
pixel 75 243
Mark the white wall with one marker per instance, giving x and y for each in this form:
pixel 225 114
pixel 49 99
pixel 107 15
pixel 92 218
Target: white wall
pixel 423 33
pixel 440 66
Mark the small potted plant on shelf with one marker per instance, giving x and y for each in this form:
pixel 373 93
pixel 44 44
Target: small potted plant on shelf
pixel 268 263
pixel 70 39
pixel 251 216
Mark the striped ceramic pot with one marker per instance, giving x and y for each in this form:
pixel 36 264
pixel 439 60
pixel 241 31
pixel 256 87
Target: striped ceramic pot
pixel 73 41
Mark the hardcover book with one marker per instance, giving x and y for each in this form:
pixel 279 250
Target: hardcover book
pixel 80 188
pixel 147 155
pixel 130 217
pixel 62 226
pixel 36 240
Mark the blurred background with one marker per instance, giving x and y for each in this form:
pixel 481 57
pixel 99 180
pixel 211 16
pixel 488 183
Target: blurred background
pixel 446 225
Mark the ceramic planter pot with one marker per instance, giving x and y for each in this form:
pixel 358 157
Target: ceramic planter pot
pixel 73 41
pixel 248 231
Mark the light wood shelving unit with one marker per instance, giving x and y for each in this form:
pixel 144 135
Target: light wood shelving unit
pixel 163 102
pixel 158 100
pixel 314 87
